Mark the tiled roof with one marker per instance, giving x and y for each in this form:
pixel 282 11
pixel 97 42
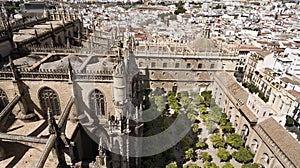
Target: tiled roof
pixel 291 81
pixel 294 93
pixel 236 90
pixel 284 141
pixel 248 113
pixel 247 47
pixel 238 93
pixel 264 53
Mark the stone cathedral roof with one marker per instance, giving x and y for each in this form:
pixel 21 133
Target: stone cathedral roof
pixel 63 63
pixel 203 44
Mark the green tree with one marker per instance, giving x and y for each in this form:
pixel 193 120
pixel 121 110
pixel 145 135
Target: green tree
pixel 197 100
pixel 190 108
pixel 289 121
pixel 160 103
pixel 227 165
pixel 186 142
pixel 191 116
pixel 210 125
pixel 217 140
pixel 201 144
pixel 241 69
pixel 225 124
pixel 252 165
pixel 185 102
pixel 182 94
pixel 189 153
pixel 223 119
pixel 243 155
pixel 235 140
pixel 202 109
pixel 223 154
pixel 195 127
pixel 172 165
pixel 205 156
pixel 146 102
pixel 163 124
pixel 207 97
pixel 209 165
pixel 204 117
pixel 215 114
pixel 170 93
pixel 252 88
pixel 190 165
pixel 173 102
pixel 227 127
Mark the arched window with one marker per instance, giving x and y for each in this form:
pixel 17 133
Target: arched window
pixel 265 160
pixel 236 120
pixel 97 103
pixel 3 100
pixel 49 99
pixel 245 132
pixel 254 145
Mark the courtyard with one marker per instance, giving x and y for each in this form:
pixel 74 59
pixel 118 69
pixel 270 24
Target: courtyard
pixel 211 141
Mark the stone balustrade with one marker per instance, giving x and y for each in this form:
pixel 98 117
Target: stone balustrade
pixel 58 74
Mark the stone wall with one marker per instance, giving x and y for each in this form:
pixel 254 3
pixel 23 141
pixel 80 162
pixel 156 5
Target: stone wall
pixel 261 150
pixel 64 90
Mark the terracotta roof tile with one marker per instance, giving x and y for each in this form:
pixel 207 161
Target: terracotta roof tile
pixel 283 140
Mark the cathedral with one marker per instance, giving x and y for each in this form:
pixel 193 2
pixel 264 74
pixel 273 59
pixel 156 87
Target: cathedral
pixel 75 106
pixel 74 98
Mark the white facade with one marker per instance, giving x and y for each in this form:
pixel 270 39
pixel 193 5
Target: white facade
pixel 282 64
pixel 294 55
pixel 267 62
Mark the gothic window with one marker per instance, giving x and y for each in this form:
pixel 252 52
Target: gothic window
pixel 177 65
pixel 97 103
pixel 188 65
pixel 49 99
pixel 3 100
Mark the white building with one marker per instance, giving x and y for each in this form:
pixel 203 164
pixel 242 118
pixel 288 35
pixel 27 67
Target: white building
pixel 294 55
